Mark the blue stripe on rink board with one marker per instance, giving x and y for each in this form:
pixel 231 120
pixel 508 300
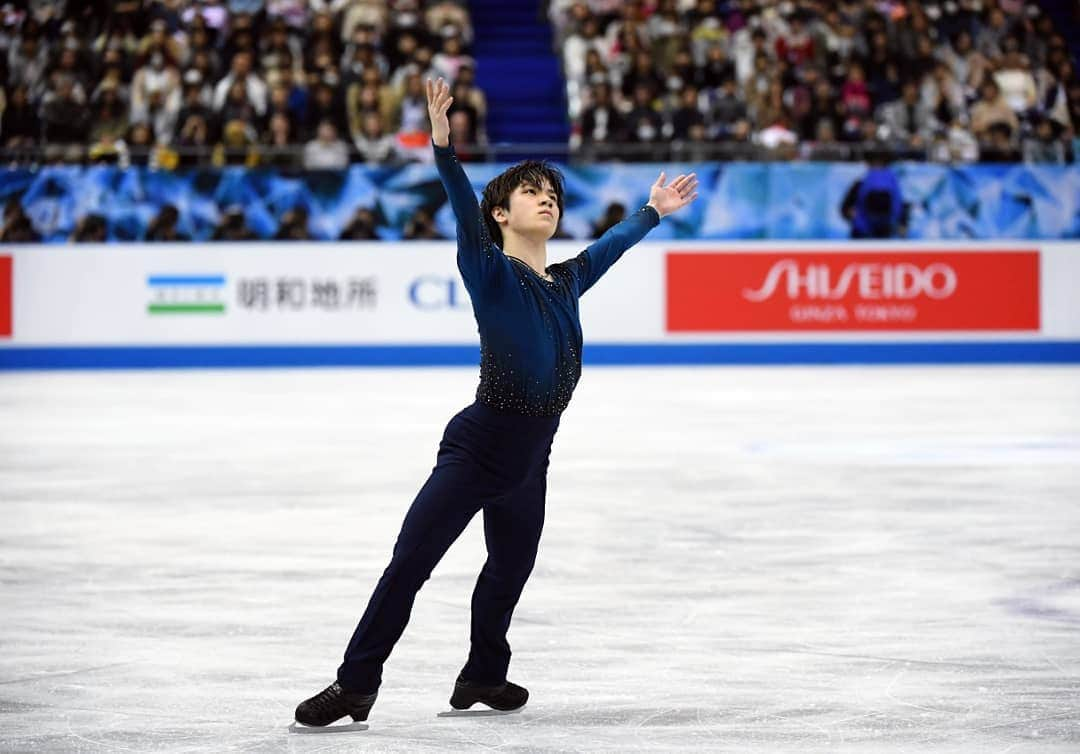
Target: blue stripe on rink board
pixel 185 280
pixel 188 357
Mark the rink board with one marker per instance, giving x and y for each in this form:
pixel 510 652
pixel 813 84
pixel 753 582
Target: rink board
pixel 670 302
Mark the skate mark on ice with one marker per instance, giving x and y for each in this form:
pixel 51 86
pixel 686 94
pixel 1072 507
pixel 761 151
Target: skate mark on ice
pixel 478 712
pixel 350 728
pixel 61 673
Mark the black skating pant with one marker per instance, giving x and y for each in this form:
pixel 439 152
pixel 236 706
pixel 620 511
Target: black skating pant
pixel 487 461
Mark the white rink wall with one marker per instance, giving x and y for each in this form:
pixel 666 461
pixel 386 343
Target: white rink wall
pixel 664 302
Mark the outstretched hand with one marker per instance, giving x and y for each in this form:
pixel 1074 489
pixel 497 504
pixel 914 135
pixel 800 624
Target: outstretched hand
pixel 438 102
pixel 676 195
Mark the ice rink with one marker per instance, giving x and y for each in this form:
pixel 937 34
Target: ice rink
pixel 830 559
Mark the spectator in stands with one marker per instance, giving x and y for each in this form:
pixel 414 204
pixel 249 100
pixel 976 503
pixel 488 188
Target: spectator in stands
pixel 20 126
pixel 462 104
pixel 644 123
pixel 999 144
pixel 728 110
pixel 158 42
pixel 360 58
pixel 194 102
pixel 240 70
pixel 1053 98
pixel 779 135
pixel 1014 78
pixel 326 105
pixel 372 142
pixel 451 57
pixel 907 122
pixel 748 45
pixel 821 110
pixel 326 151
pixel 681 72
pixel 403 49
pixel 962 146
pixel 67 64
pixel 584 38
pixel 64 117
pixel 614 214
pixel 367 14
pixel 276 144
pixel 289 95
pixel 874 204
pixel 665 31
pixel 1044 144
pixel 361 227
pixel 164 226
pixel 110 116
pixel 943 95
pixel 237 107
pixel 596 70
pixel 992 35
pixel 294 225
pixel 369 94
pixel 968 66
pixel 28 59
pixel 18 228
pixel 233 226
pixel 443 15
pixel 156 96
pixel 465 87
pixel 193 140
pixel 795 45
pixel 464 136
pixel 90 229
pixel 704 20
pixel 238 145
pixel 601 122
pixel 990 109
pixel 1073 94
pixel 293 12
pixel 278 48
pixel 687 115
pixel 410 108
pixel 823 144
pixel 421 226
pixel 855 94
pixel 642 74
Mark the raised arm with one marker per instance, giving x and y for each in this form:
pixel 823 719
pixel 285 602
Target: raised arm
pixel 590 264
pixel 476 253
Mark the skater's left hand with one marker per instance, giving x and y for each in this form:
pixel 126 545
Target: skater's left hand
pixel 676 195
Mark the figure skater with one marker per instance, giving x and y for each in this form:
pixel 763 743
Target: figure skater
pixel 494 454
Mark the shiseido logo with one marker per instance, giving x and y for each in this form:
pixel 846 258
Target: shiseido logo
pixel 867 280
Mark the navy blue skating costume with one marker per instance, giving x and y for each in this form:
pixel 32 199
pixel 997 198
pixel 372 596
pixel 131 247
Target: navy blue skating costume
pixel 494 454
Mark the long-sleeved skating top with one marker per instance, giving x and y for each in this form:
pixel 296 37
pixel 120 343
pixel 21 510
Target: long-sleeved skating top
pixel 530 333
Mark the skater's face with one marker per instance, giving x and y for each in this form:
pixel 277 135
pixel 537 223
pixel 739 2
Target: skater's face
pixel 534 211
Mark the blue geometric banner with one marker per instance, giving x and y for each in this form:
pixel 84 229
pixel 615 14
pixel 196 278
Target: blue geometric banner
pixel 738 200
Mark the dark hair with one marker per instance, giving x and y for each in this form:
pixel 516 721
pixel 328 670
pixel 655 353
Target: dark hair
pixel 497 192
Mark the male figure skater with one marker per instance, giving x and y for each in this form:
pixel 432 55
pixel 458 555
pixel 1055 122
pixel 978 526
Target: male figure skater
pixel 494 454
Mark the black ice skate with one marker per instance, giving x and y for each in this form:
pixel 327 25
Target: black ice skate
pixel 502 699
pixel 316 714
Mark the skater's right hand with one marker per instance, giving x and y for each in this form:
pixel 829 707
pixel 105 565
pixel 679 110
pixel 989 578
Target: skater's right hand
pixel 438 102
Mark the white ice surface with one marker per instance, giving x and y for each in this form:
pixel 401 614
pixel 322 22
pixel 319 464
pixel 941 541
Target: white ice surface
pixel 832 559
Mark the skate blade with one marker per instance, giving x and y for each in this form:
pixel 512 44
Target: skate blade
pixel 351 727
pixel 478 712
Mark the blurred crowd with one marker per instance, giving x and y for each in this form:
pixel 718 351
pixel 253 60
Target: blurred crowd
pixel 945 80
pixel 286 83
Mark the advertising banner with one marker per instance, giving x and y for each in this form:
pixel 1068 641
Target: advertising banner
pixel 5 297
pixel 870 291
pixel 277 304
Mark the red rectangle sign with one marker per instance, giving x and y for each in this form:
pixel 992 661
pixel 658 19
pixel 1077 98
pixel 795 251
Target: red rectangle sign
pixel 5 297
pixel 796 291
